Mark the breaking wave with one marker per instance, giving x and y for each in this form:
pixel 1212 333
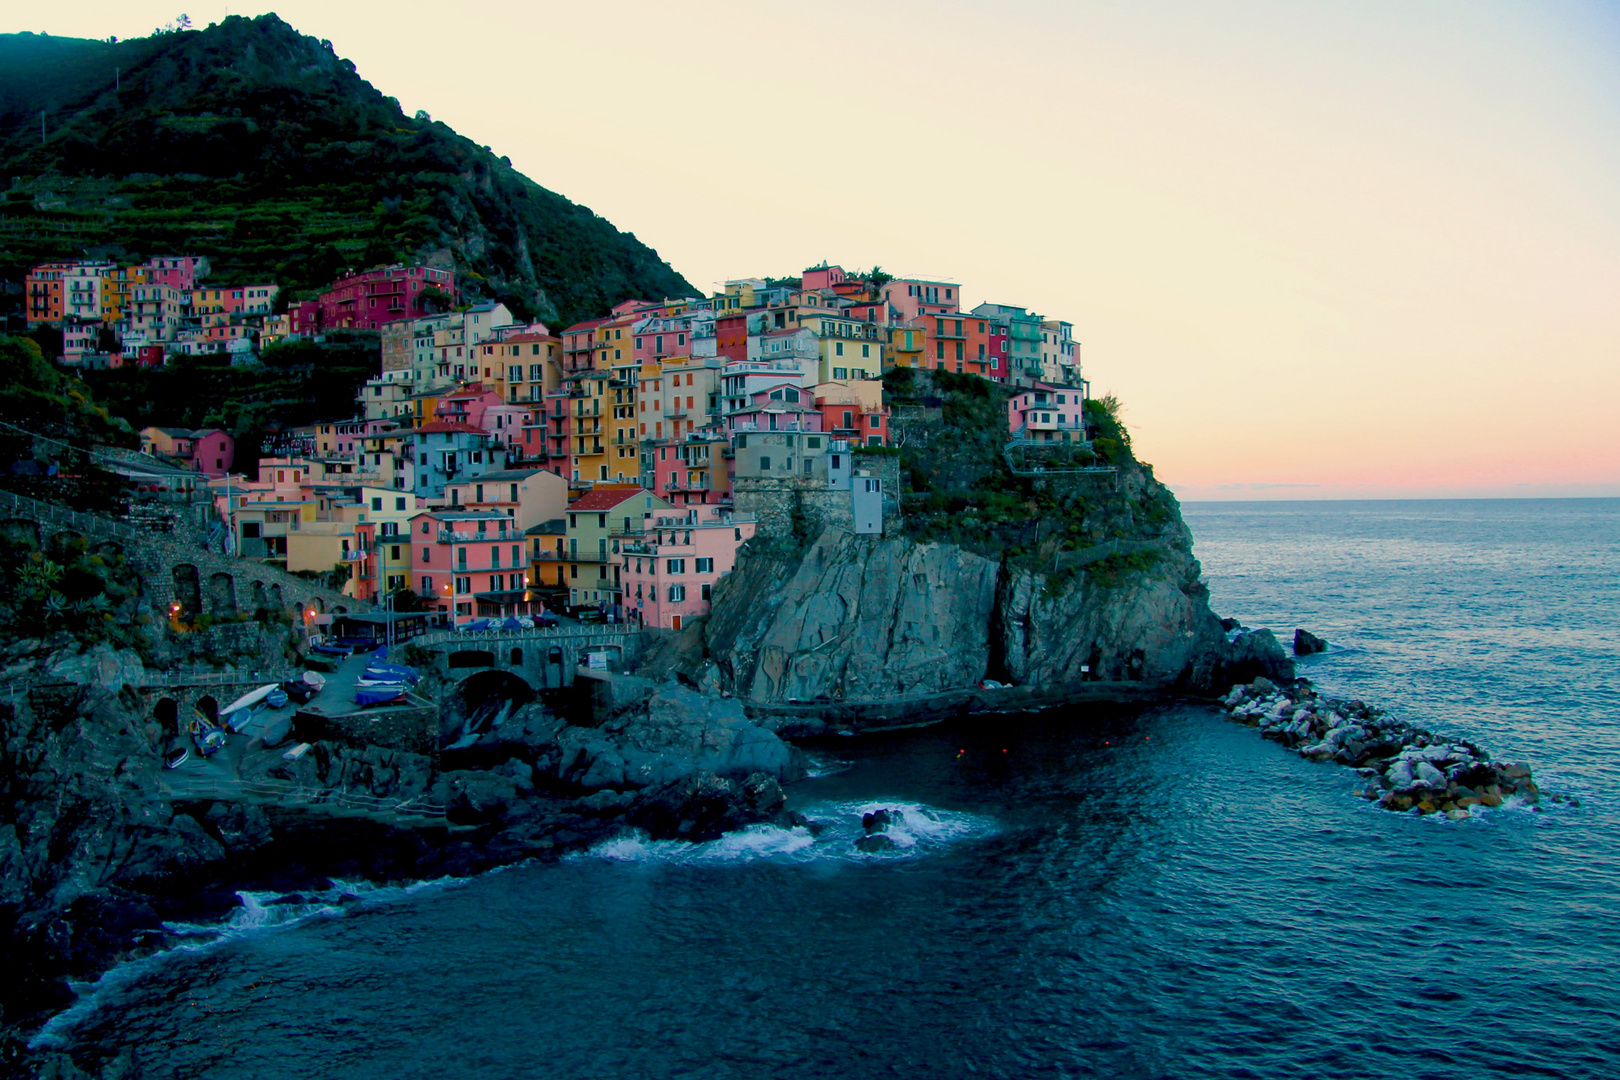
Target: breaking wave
pixel 918 830
pixel 260 912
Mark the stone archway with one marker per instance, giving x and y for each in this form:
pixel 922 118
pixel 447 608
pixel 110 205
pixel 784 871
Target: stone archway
pixel 187 589
pixel 66 546
pixel 222 595
pixel 167 713
pixel 259 599
pixel 207 708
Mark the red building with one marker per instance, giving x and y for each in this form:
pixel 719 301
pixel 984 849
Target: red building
pixel 367 300
pixel 731 336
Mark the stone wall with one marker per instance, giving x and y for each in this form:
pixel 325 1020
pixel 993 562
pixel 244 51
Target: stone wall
pixel 414 730
pixel 545 659
pixel 803 507
pixel 175 566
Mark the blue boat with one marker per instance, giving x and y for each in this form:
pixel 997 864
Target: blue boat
pixel 377 695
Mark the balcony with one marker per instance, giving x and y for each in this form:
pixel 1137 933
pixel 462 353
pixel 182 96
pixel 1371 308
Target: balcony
pixel 459 536
pixel 675 411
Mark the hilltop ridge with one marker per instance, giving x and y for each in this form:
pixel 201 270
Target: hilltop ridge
pixel 263 149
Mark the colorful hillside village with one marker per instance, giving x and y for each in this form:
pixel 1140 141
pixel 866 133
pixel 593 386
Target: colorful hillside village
pixel 497 469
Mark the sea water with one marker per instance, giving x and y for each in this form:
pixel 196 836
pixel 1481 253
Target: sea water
pixel 1092 892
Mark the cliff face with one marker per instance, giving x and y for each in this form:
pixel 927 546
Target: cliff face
pixel 857 618
pixel 1045 579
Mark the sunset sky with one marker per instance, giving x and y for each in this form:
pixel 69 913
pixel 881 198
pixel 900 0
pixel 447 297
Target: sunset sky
pixel 1342 250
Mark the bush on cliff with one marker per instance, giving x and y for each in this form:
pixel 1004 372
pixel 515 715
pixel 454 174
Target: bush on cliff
pixel 951 432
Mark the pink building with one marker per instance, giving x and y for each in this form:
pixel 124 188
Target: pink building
pixel 668 574
pixel 469 563
pixel 367 300
pixel 783 407
pixel 821 277
pixel 695 471
pixel 1047 413
pixel 176 271
pixel 468 406
pixel 212 452
pixel 914 297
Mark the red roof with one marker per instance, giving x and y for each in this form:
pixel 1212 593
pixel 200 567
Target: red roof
pixel 588 324
pixel 605 498
pixel 446 426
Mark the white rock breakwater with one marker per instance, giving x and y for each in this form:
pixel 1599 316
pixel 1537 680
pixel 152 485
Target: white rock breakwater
pixel 1405 767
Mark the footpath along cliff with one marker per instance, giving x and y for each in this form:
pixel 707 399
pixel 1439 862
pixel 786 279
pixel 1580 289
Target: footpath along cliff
pixel 1061 568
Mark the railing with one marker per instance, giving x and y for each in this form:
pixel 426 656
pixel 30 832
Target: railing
pixel 183 787
pixel 211 677
pixel 23 506
pixel 446 637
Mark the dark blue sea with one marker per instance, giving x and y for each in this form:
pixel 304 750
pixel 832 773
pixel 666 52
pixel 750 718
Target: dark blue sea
pixel 1102 892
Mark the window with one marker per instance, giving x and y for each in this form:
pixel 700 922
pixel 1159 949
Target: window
pixel 463 585
pixel 840 373
pixel 939 347
pixel 427 586
pixel 706 590
pixel 866 350
pixel 1062 398
pixel 427 555
pixel 376 504
pixel 877 421
pixel 675 566
pixel 703 566
pixel 838 348
pixel 677 593
pixel 461 558
pixel 764 463
pixel 424 528
pixel 399 503
pixel 494 557
pixel 813 442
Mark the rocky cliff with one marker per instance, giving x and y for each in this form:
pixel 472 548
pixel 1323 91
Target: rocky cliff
pixel 1052 580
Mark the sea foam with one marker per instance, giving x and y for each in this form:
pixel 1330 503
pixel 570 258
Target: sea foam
pixel 918 830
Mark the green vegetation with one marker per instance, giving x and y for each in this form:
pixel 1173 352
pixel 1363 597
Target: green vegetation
pixel 92 594
pixel 950 432
pixel 262 149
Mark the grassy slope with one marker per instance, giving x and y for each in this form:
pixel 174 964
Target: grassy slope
pixel 261 148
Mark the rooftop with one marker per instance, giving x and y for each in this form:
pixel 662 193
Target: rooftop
pixel 606 498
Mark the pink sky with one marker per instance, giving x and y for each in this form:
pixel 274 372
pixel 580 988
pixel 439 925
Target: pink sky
pixel 1320 250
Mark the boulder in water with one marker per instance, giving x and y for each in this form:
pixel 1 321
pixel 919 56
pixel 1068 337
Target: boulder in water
pixel 874 843
pixel 1307 643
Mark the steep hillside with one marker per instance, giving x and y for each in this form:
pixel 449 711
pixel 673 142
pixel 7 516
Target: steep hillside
pixel 262 148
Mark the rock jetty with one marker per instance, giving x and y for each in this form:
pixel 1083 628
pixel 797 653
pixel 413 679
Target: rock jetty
pixel 1405 768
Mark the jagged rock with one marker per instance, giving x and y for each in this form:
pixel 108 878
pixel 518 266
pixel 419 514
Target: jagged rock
pixel 1307 643
pixel 471 795
pixel 875 843
pixel 704 806
pixel 880 820
pixel 682 732
pixel 101 665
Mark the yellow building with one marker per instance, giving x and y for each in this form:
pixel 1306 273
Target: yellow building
pixel 594 521
pixel 117 291
pixel 905 347
pixel 849 348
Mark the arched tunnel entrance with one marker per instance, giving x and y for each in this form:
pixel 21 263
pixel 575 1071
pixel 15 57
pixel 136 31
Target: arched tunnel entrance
pixel 481 704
